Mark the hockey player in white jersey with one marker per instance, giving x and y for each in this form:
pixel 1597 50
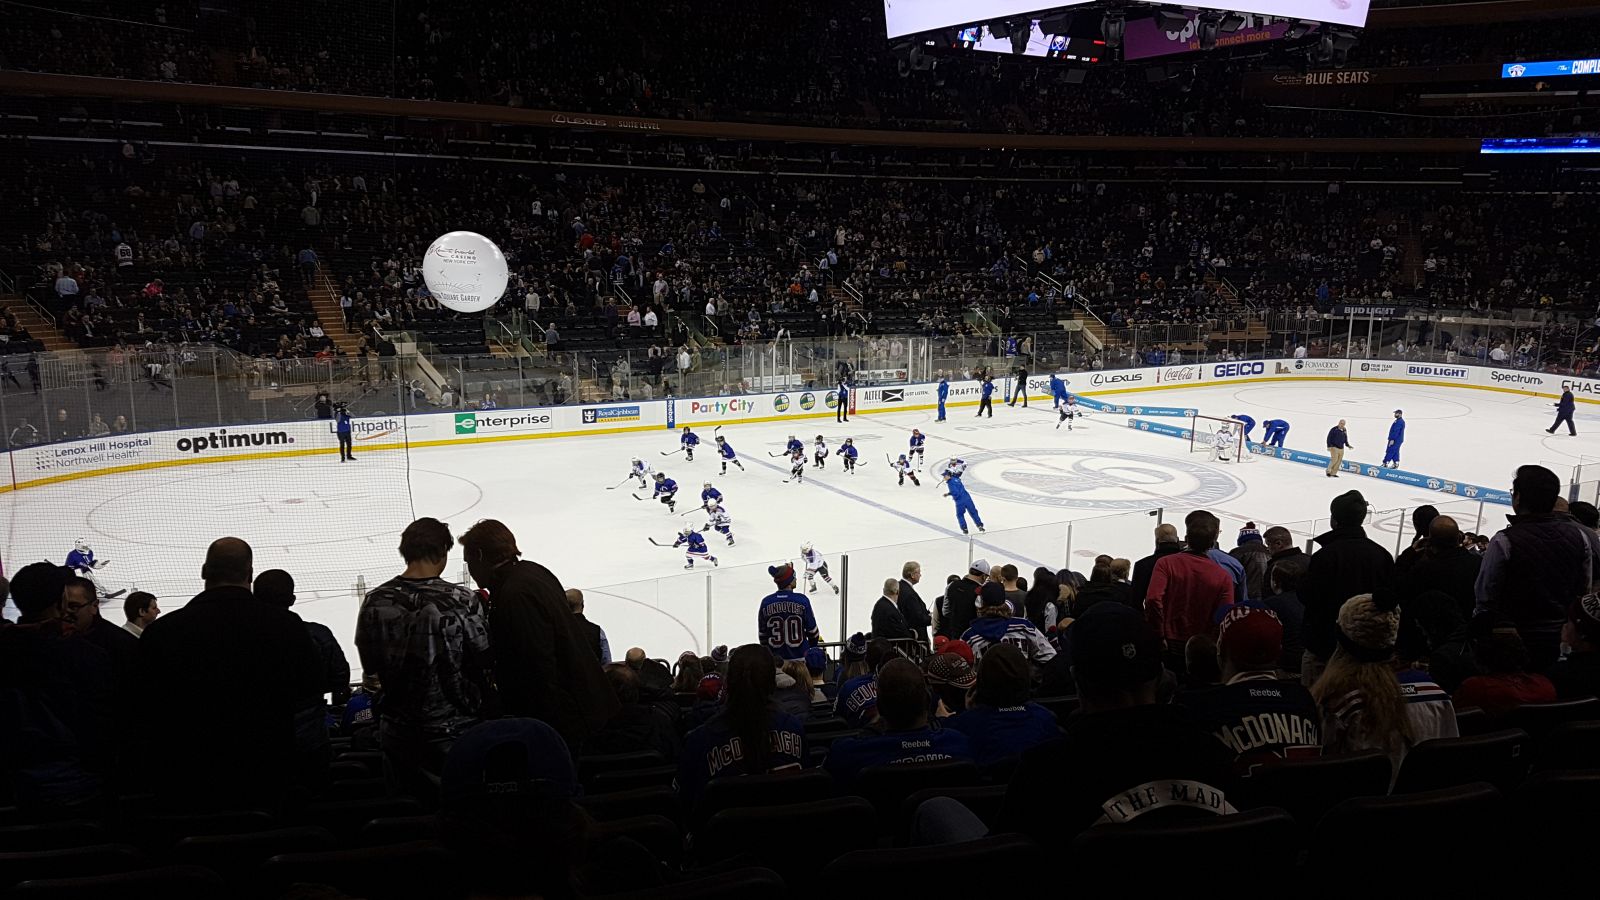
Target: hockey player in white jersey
pixel 797 466
pixel 904 469
pixel 815 566
pixel 819 453
pixel 1222 443
pixel 718 519
pixel 1069 412
pixel 640 471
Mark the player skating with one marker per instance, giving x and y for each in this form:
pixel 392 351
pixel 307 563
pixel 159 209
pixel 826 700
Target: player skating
pixel 1069 412
pixel 708 494
pixel 666 491
pixel 694 547
pixel 819 453
pixel 81 560
pixel 641 472
pixel 917 440
pixel 725 450
pixel 958 492
pixel 902 467
pixel 848 453
pixel 797 466
pixel 815 566
pixel 718 519
pixel 689 441
pixel 791 448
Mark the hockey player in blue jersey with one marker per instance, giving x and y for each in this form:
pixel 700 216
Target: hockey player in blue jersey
pixel 1397 436
pixel 917 440
pixel 666 491
pixel 694 547
pixel 944 394
pixel 81 559
pixel 902 466
pixel 708 494
pixel 690 440
pixel 1275 431
pixel 785 620
pixel 1058 390
pixel 819 453
pixel 718 519
pixel 848 453
pixel 958 493
pixel 1249 423
pixel 725 450
pixel 640 471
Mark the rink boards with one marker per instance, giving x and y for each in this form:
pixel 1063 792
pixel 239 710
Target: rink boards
pixel 35 466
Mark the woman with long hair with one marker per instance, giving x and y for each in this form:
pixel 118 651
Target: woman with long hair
pixel 1038 606
pixel 687 673
pixel 749 735
pixel 1361 697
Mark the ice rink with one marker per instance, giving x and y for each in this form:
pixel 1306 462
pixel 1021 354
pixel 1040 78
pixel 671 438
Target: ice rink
pixel 1048 497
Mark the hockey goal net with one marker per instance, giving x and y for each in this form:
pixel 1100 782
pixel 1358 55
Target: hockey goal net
pixel 1222 438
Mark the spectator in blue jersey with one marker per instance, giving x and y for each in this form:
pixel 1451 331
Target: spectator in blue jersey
pixel 999 720
pixel 785 620
pixel 908 736
pixel 748 735
pixel 1259 718
pixel 996 625
pixel 1397 436
pixel 857 702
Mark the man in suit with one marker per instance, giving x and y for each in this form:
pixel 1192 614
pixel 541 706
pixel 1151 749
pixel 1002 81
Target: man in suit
pixel 887 622
pixel 915 612
pixel 1564 409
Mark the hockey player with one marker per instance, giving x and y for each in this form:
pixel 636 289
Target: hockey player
pixel 708 494
pixel 690 440
pixel 694 547
pixel 902 466
pixel 717 518
pixel 815 566
pixel 1275 431
pixel 958 492
pixel 819 453
pixel 1069 411
pixel 1397 436
pixel 725 450
pixel 848 453
pixel 785 619
pixel 1222 443
pixel 667 491
pixel 797 466
pixel 794 445
pixel 917 440
pixel 640 471
pixel 1058 390
pixel 81 560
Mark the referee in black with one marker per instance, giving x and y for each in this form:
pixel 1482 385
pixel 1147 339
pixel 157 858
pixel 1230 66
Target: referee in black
pixel 1022 387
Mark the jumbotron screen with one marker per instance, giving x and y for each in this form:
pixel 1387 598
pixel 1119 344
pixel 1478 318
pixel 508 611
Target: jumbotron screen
pixel 905 17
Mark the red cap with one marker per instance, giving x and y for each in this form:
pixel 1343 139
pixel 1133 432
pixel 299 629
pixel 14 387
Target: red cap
pixel 942 644
pixel 1250 636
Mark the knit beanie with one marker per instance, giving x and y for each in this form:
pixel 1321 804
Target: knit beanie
pixel 1249 534
pixel 1349 508
pixel 1368 630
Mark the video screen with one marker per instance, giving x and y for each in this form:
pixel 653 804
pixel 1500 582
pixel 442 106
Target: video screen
pixel 1054 46
pixel 905 17
pixel 1550 69
pixel 1338 12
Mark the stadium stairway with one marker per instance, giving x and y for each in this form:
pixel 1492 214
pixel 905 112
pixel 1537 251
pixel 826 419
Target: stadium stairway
pixel 325 300
pixel 43 330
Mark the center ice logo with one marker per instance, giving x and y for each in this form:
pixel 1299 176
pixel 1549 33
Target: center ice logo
pixel 1097 479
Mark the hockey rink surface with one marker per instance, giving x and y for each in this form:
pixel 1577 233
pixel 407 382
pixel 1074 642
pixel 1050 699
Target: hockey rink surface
pixel 329 524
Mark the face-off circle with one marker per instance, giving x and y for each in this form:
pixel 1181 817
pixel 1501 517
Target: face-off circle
pixel 1096 479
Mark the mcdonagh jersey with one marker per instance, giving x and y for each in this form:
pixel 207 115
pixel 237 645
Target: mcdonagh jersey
pixel 1258 718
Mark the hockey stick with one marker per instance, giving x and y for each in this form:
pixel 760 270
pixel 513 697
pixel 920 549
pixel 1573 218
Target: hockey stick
pixel 658 543
pixel 640 499
pixel 776 455
pixel 693 509
pixel 673 453
pixel 619 484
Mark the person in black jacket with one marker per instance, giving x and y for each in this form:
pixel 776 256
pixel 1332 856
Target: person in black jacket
pixel 594 634
pixel 640 723
pixel 1578 675
pixel 1281 543
pixel 887 622
pixel 1348 563
pixel 1442 564
pixel 1167 543
pixel 542 664
pixel 240 753
pixel 960 604
pixel 276 587
pixel 912 609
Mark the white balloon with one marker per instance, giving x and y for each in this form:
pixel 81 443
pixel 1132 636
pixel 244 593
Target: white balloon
pixel 465 271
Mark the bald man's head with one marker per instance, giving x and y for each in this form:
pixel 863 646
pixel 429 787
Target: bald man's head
pixel 229 563
pixel 1443 533
pixel 1166 534
pixel 575 600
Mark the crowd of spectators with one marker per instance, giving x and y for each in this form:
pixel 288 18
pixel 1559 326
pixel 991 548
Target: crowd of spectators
pixel 1195 664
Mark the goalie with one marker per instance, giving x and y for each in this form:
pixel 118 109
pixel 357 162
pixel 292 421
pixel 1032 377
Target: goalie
pixel 81 561
pixel 1225 444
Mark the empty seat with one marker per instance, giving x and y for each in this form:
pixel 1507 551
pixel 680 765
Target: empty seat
pixel 1537 719
pixel 887 787
pixel 658 834
pixel 1444 827
pixel 1501 758
pixel 416 869
pixel 624 804
pixel 750 834
pixel 1108 852
pixel 589 767
pixel 970 868
pixel 167 883
pixel 632 779
pixel 72 862
pixel 236 857
pixel 1308 788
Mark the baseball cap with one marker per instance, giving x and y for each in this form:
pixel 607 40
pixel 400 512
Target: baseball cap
pixel 816 660
pixel 709 688
pixel 1113 647
pixel 992 594
pixel 509 758
pixel 979 566
pixel 942 644
pixel 1250 636
pixel 948 668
